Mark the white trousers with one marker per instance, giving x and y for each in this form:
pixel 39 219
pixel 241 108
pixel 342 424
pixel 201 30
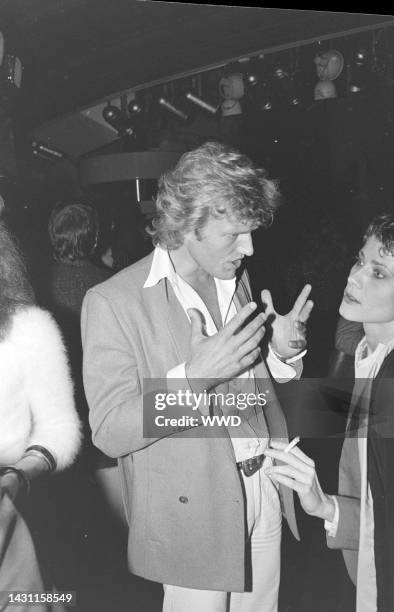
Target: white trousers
pixel 264 528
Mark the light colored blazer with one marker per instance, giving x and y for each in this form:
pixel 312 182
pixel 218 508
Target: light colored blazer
pixel 183 494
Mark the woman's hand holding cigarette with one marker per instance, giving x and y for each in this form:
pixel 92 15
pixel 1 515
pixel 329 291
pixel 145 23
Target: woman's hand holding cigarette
pixel 297 471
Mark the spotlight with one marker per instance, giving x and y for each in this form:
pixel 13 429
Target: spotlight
pixel 112 115
pixel 118 120
pixel 297 94
pixel 134 108
pixel 254 72
pixel 280 73
pixel 180 114
pixel 252 79
pixel 13 69
pixel 360 58
pixel 201 103
pixel 355 88
pixel 357 82
pixel 266 102
pixel 360 79
pixel 46 152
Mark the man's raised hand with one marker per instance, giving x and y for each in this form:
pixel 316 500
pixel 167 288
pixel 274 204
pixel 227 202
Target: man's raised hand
pixel 288 331
pixel 227 353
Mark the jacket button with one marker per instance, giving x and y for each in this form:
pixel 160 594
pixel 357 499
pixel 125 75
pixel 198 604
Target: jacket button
pixel 183 499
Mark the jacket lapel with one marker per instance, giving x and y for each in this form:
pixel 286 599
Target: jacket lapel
pixel 177 321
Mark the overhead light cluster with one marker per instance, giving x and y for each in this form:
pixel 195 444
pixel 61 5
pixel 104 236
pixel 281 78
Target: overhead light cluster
pixel 180 103
pixel 185 103
pixel 258 83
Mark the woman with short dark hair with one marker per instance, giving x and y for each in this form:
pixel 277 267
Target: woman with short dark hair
pixel 360 520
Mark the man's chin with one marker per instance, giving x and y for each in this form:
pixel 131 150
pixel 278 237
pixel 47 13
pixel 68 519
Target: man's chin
pixel 227 272
pixel 227 275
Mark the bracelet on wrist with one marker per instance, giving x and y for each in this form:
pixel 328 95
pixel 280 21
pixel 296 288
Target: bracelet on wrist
pixel 42 452
pixel 23 479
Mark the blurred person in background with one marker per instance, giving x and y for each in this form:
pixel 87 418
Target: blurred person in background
pixel 123 239
pixel 73 232
pixel 40 429
pixel 93 523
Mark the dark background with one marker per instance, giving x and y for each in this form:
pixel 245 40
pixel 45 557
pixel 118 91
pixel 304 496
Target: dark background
pixel 333 160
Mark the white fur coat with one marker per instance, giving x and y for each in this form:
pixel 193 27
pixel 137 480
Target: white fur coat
pixel 36 392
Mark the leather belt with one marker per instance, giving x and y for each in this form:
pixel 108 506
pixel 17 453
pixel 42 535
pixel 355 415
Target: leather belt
pixel 252 465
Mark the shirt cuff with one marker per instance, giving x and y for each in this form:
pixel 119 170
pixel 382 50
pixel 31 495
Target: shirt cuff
pixel 290 359
pixel 332 526
pixel 284 369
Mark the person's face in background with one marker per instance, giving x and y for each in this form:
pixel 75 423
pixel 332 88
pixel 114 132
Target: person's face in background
pixel 369 294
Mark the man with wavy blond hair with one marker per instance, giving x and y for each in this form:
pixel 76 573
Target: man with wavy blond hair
pixel 203 518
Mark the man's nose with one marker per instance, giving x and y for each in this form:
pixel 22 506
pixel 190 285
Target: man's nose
pixel 245 244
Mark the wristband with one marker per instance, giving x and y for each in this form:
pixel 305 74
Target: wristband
pixel 41 451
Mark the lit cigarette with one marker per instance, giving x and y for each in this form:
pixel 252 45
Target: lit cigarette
pixel 292 444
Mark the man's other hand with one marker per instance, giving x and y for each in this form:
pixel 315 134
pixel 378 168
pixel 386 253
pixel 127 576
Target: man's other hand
pixel 227 353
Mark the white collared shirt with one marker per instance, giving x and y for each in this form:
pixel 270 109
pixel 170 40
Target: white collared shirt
pixel 162 267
